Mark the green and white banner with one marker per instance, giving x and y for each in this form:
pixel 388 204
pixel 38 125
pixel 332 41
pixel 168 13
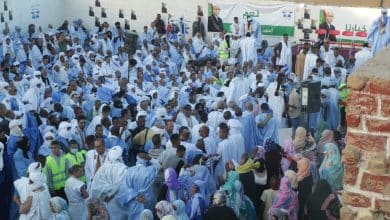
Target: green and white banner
pixel 275 19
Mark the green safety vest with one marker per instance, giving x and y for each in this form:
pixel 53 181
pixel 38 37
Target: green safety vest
pixel 223 50
pixel 77 159
pixel 57 171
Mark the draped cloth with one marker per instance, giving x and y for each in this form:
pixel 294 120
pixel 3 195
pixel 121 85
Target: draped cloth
pixel 249 131
pixel 285 199
pixel 289 149
pixel 379 34
pixel 138 182
pixel 331 168
pixel 180 210
pixel 106 183
pixel 326 137
pixel 238 87
pixel 303 165
pixel 31 130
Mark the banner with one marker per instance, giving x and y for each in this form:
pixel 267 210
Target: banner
pixel 274 19
pixel 347 19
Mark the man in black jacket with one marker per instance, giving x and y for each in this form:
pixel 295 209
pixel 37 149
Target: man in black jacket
pixel 214 23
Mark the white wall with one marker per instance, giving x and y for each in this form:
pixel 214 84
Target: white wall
pixel 145 10
pixel 49 13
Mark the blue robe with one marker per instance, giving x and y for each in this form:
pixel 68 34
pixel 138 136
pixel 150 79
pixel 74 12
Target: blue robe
pixel 196 207
pixel 11 145
pixel 270 130
pixel 377 40
pixel 330 115
pixel 32 132
pixel 22 163
pixel 138 181
pixel 250 132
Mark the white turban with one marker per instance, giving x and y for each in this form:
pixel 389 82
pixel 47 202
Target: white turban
pixel 140 114
pixel 38 179
pixel 114 154
pixel 35 167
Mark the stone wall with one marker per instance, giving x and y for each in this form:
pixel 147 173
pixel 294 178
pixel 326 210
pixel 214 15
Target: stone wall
pixel 367 155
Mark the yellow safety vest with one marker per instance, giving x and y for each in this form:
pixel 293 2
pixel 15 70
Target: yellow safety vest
pixel 57 171
pixel 77 159
pixel 223 50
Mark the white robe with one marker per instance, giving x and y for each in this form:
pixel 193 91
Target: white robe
pixel 76 209
pixel 310 62
pixel 40 208
pixel 238 87
pixel 285 55
pixel 248 49
pixel 106 183
pixel 90 165
pixel 361 57
pixel 230 149
pixel 276 103
pixel 215 118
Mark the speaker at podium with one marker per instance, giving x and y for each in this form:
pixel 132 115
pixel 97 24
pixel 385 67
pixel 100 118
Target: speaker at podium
pixel 311 95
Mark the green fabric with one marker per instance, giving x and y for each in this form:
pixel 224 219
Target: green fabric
pixel 57 171
pixel 232 176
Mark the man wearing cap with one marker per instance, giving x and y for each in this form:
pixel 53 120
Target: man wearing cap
pixel 379 34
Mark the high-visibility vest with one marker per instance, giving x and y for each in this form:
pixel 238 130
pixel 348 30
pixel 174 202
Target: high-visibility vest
pixel 57 171
pixel 77 159
pixel 223 50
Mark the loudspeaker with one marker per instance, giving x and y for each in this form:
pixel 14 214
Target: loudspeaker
pixel 311 95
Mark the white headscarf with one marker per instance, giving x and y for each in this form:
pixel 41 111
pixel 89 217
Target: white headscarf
pixel 115 154
pixel 48 134
pixel 14 128
pixel 35 167
pixel 64 131
pixel 38 179
pixel 58 204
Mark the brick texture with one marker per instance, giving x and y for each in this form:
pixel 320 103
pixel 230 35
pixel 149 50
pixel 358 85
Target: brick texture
pixel 353 121
pixel 360 103
pixel 350 175
pixel 367 142
pixel 379 86
pixel 385 107
pixel 376 183
pixel 382 205
pixel 356 200
pixel 351 156
pixel 376 125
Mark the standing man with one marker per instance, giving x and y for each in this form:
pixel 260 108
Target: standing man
pixel 198 26
pixel 379 34
pixel 56 170
pixel 284 54
pixel 362 56
pixel 94 160
pixel 160 25
pixel 237 28
pixel 248 48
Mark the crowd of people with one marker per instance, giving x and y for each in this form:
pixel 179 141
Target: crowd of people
pixel 182 129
